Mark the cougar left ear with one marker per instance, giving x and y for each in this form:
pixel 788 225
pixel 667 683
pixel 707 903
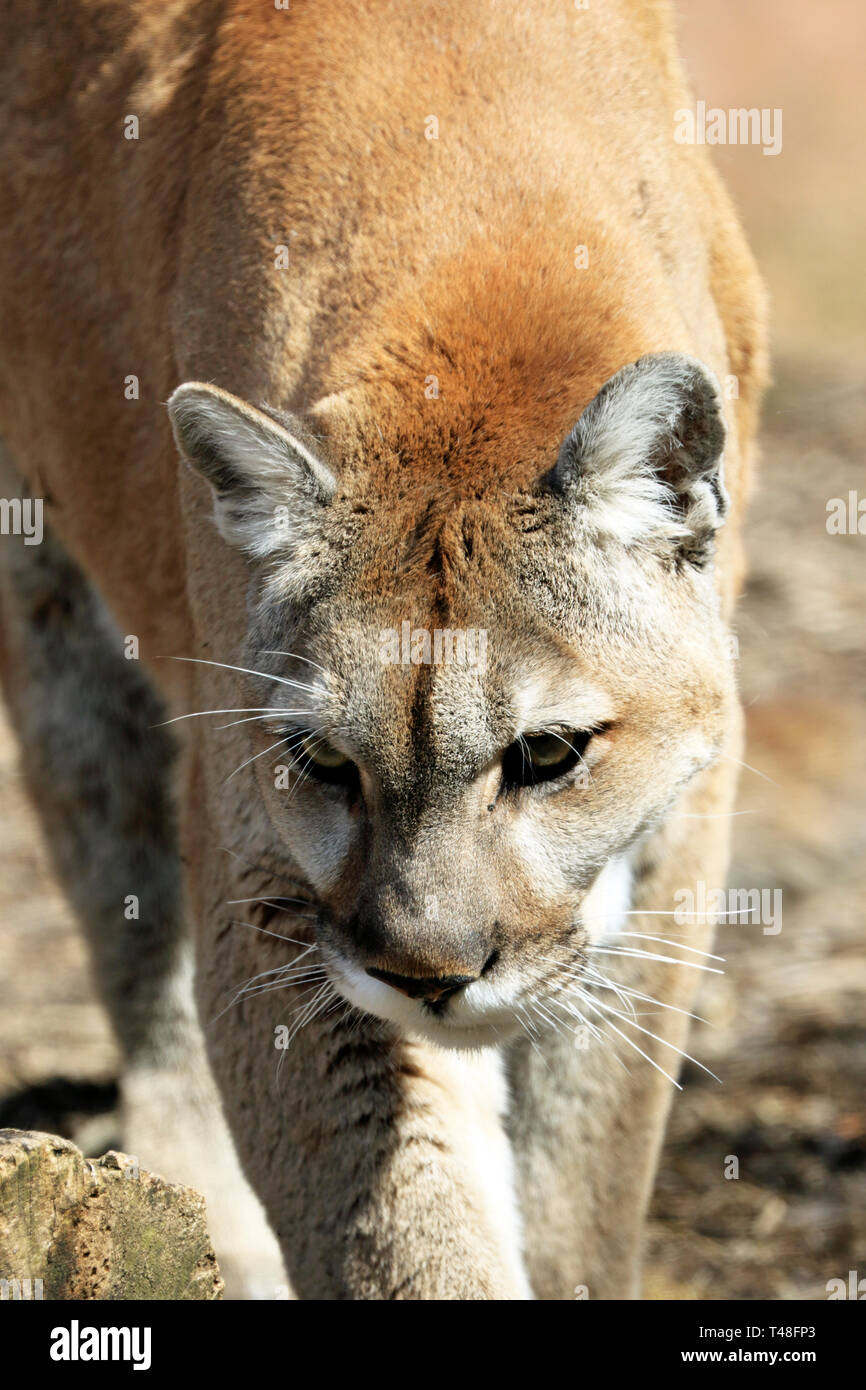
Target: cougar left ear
pixel 269 487
pixel 645 460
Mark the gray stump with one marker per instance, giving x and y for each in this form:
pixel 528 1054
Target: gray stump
pixel 76 1228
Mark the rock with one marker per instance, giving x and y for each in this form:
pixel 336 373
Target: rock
pixel 97 1229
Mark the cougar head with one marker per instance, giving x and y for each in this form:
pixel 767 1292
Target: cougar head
pixel 485 693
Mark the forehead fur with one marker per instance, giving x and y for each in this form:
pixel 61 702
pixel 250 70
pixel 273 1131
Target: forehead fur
pixel 548 601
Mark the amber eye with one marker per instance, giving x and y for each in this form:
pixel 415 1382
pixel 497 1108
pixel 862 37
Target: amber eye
pixel 321 753
pixel 541 757
pixel 547 750
pixel 322 760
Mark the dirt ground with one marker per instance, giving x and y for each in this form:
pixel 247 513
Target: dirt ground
pixel 785 1026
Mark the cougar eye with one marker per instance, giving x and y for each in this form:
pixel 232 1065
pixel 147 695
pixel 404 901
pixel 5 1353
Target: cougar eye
pixel 323 761
pixel 543 756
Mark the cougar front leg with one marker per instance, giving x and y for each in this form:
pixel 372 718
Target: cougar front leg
pixel 382 1164
pixel 588 1111
pixel 99 769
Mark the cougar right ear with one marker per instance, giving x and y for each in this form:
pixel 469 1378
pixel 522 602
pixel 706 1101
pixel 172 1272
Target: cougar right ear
pixel 268 484
pixel 644 462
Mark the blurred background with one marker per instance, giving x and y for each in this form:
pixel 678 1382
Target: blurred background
pixel 785 1026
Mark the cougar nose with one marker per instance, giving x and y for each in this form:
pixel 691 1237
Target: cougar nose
pixel 433 990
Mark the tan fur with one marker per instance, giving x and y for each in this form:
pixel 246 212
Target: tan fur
pixel 409 259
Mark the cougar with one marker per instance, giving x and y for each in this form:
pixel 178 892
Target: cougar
pixel 387 383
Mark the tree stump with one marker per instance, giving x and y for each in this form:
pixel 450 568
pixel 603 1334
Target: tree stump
pixel 78 1228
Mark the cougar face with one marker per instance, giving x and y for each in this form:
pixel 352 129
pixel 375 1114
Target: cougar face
pixel 479 701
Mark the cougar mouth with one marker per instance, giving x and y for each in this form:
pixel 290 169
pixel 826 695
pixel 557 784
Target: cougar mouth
pixel 442 1021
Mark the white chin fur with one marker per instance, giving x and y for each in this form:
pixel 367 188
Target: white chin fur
pixel 484 1015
